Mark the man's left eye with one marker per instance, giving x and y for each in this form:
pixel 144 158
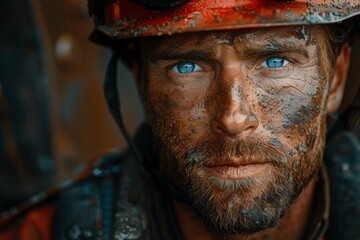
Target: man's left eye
pixel 186 67
pixel 274 62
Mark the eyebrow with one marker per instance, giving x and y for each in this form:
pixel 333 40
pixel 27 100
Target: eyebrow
pixel 274 47
pixel 173 54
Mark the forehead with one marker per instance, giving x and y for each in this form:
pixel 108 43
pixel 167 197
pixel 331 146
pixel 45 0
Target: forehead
pixel 298 35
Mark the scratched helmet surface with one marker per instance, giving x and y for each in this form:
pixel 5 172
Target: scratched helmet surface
pixel 119 19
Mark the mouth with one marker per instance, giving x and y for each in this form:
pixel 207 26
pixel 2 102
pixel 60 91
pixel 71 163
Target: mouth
pixel 235 171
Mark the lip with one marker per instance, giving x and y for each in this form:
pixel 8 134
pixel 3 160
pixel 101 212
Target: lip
pixel 235 171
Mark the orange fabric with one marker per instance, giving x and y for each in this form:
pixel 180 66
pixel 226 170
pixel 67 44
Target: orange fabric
pixel 36 225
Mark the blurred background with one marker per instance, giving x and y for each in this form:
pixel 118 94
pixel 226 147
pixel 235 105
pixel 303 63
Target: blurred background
pixel 53 116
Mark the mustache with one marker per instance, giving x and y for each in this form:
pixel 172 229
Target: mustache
pixel 216 150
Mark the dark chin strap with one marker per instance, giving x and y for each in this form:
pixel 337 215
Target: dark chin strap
pixel 113 102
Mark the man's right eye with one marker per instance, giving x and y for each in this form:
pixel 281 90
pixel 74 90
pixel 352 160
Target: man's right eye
pixel 186 67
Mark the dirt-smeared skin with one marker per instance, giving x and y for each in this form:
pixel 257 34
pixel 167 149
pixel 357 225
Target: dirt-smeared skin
pixel 236 111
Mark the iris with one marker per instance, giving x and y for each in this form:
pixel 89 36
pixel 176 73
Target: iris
pixel 185 67
pixel 275 62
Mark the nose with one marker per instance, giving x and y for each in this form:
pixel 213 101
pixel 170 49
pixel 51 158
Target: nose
pixel 233 117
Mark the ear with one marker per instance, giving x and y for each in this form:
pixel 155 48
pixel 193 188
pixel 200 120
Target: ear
pixel 337 84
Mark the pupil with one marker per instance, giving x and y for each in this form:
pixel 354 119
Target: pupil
pixel 275 62
pixel 186 67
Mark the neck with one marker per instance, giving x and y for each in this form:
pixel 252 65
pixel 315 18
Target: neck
pixel 292 225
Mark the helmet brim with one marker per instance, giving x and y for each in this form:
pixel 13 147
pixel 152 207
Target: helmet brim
pixel 127 20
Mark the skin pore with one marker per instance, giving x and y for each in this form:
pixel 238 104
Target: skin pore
pixel 239 123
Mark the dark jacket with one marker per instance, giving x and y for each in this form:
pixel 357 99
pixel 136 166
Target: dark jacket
pixel 120 200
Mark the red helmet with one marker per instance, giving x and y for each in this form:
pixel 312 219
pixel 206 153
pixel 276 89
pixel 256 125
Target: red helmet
pixel 119 19
pixel 126 19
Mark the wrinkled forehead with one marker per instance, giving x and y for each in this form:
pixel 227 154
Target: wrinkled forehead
pixel 301 35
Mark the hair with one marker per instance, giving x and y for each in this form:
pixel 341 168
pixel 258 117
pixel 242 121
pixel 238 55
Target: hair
pixel 341 33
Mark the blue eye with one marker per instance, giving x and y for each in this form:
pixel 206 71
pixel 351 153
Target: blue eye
pixel 274 62
pixel 186 67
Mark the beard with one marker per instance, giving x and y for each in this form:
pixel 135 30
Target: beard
pixel 238 206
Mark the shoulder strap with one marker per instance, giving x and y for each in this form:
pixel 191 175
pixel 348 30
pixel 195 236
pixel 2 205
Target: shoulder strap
pixel 85 211
pixel 77 212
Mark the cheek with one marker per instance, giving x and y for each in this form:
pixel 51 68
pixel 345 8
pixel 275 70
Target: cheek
pixel 180 108
pixel 285 104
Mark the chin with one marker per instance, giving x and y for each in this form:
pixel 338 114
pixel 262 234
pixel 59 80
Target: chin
pixel 240 206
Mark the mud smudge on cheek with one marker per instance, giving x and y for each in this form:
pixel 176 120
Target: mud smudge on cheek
pixel 275 141
pixel 159 103
pixel 269 101
pixel 269 107
pixel 198 111
pixel 301 116
pixel 299 110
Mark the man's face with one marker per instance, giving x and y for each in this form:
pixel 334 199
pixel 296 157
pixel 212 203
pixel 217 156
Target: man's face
pixel 238 119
